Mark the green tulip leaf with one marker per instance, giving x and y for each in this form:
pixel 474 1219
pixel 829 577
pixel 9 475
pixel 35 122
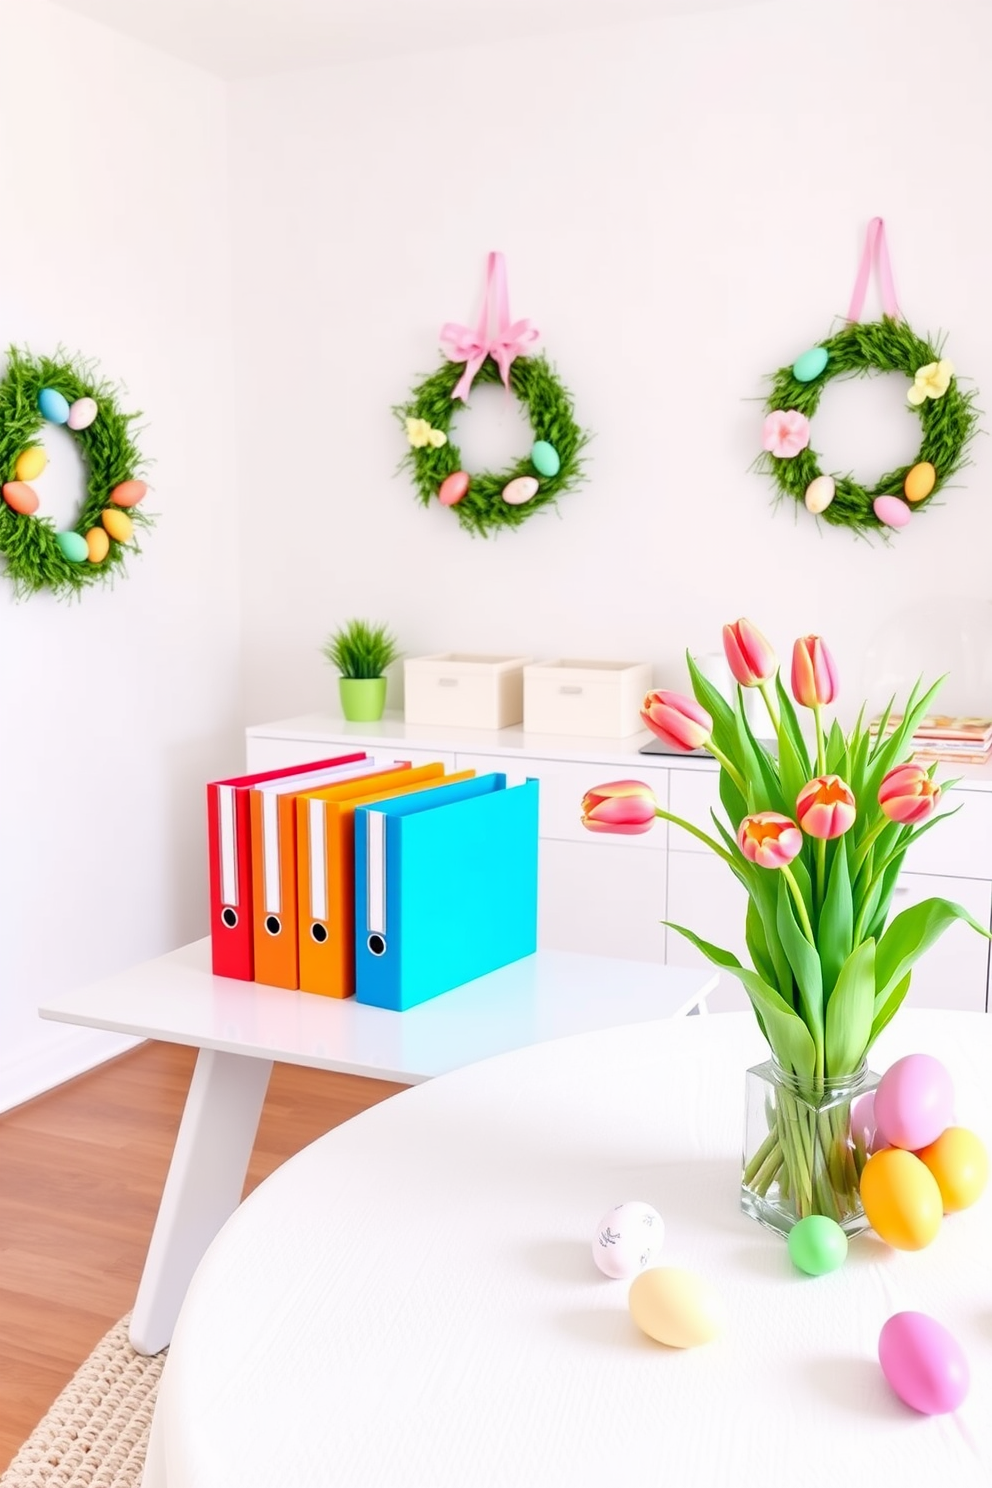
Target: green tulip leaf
pixel 804 961
pixel 835 932
pixel 910 934
pixel 850 1011
pixel 884 1014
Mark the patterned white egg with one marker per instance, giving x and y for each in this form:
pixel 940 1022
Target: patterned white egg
pixel 628 1238
pixel 524 488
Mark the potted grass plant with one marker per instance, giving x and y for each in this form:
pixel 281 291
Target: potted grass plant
pixel 361 652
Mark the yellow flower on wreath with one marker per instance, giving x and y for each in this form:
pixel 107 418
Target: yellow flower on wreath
pixel 420 434
pixel 932 381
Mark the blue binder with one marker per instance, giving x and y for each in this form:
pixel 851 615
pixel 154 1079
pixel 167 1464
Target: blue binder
pixel 445 888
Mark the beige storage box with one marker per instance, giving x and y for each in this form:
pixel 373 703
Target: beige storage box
pixel 595 698
pixel 463 690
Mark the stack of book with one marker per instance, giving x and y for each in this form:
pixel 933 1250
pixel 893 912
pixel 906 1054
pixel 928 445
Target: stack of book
pixel 941 737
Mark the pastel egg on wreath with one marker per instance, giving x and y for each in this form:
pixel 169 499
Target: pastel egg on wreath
pixel 30 463
pixel 97 545
pixel 523 489
pixel 809 366
pixel 919 481
pixel 453 488
pixel 20 498
pixel 628 1238
pixel 545 458
pixel 891 511
pixel 819 494
pixel 129 493
pixel 72 547
pixel 82 413
pixel 118 524
pixel 53 406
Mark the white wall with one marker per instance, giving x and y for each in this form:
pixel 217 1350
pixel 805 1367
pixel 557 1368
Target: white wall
pixel 683 206
pixel 115 709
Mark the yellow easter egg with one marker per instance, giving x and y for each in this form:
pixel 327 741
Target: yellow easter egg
pixel 118 524
pixel 960 1164
pixel 30 463
pixel 901 1199
pixel 676 1307
pixel 919 481
pixel 97 545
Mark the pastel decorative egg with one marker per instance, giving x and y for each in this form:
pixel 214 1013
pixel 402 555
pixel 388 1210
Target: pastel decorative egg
pixel 960 1164
pixel 817 1245
pixel 809 366
pixel 453 488
pixel 628 1238
pixel 97 545
pixel 118 524
pixel 20 498
pixel 544 458
pixel 919 481
pixel 924 1363
pixel 676 1307
pixel 53 406
pixel 516 492
pixel 891 511
pixel 819 494
pixel 914 1101
pixel 901 1199
pixel 72 546
pixel 30 463
pixel 863 1128
pixel 129 493
pixel 82 413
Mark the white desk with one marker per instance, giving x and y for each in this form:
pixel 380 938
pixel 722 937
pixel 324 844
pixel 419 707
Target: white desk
pixel 411 1301
pixel 241 1028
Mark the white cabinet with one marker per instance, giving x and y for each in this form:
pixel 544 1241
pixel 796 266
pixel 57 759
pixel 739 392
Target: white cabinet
pixel 608 895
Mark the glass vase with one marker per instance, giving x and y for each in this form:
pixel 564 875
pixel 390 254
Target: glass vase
pixel 802 1152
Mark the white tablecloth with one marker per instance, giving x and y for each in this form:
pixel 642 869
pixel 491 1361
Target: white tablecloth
pixel 412 1300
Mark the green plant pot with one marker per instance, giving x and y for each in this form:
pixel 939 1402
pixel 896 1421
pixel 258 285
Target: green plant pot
pixel 362 698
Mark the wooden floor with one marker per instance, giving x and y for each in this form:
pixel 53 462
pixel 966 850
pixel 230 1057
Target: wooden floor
pixel 81 1173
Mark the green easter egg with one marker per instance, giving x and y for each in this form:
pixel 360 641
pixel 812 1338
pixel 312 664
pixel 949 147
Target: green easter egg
pixel 74 549
pixel 817 1245
pixel 809 366
pixel 544 458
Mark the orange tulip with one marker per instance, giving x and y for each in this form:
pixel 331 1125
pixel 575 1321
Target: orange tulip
pixel 749 656
pixel 907 795
pixel 814 676
pixel 826 807
pixel 679 720
pixel 769 839
pixel 625 807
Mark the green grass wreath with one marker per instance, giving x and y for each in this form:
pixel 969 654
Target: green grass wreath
pixel 947 415
pixel 37 555
pixel 482 508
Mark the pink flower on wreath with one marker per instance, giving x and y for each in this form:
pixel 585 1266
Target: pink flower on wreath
pixel 784 433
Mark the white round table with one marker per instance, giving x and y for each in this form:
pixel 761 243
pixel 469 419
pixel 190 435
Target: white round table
pixel 412 1299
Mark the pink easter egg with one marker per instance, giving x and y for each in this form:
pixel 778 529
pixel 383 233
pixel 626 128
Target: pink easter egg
pixel 524 488
pixel 863 1128
pixel 891 511
pixel 914 1102
pixel 453 488
pixel 923 1363
pixel 21 497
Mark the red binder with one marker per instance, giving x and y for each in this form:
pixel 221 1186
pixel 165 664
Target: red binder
pixel 229 841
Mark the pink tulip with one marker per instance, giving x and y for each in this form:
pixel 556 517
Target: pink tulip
pixel 785 432
pixel 769 839
pixel 749 656
pixel 907 795
pixel 814 676
pixel 679 720
pixel 624 807
pixel 826 807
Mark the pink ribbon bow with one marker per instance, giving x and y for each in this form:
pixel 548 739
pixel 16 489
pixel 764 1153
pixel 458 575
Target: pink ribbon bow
pixel 503 342
pixel 876 250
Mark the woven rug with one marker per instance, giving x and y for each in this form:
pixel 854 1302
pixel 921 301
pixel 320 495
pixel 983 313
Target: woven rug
pixel 96 1433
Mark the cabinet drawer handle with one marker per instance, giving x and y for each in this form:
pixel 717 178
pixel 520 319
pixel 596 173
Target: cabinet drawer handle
pixel 570 691
pixel 447 681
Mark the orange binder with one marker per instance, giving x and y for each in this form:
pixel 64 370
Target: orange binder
pixel 325 847
pixel 273 857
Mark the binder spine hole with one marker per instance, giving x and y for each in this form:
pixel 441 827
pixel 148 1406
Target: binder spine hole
pixel 318 933
pixel 377 945
pixel 229 917
pixel 273 924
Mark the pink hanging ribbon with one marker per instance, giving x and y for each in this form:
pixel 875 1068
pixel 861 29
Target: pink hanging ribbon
pixel 502 341
pixel 876 249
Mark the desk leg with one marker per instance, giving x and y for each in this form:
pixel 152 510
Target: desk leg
pixel 203 1187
